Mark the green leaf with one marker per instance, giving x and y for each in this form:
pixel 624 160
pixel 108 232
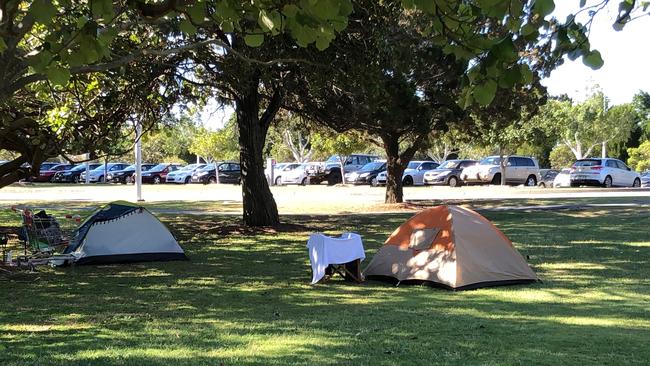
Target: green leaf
pixel 544 7
pixel 43 11
pixel 593 60
pixel 3 45
pixel 58 75
pixel 290 10
pixel 265 21
pixel 197 12
pixel 187 27
pixel 254 40
pixel 484 93
pixel 526 74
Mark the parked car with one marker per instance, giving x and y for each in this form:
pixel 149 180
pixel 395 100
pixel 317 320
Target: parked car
pixel 645 179
pixel 184 174
pixel 228 173
pixel 97 175
pixel 158 173
pixel 519 170
pixel 448 173
pixel 367 174
pixel 72 175
pixel 330 170
pixel 546 177
pixel 47 173
pixel 277 173
pixel 296 173
pixel 414 172
pixel 125 175
pixel 562 179
pixel 603 172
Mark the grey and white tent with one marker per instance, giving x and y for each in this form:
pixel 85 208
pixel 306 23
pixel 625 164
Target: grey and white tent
pixel 122 232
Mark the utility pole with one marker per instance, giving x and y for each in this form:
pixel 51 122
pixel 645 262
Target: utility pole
pixel 138 160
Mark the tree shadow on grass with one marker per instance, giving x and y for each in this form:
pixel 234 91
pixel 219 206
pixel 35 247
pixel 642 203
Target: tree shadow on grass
pixel 245 300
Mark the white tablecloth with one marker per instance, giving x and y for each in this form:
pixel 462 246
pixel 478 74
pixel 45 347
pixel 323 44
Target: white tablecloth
pixel 324 250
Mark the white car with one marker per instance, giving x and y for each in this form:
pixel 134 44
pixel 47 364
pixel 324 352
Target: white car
pixel 413 174
pixel 277 173
pixel 603 172
pixel 184 174
pixel 295 173
pixel 97 175
pixel 562 179
pixel 519 170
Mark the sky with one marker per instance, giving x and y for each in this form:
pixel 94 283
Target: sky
pixel 626 55
pixel 626 70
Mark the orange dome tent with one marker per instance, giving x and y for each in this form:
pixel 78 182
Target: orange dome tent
pixel 453 247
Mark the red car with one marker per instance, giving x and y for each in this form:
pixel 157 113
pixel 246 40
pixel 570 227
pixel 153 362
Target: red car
pixel 158 174
pixel 48 170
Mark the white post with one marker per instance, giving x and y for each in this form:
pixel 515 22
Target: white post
pixel 603 150
pixel 87 169
pixel 138 161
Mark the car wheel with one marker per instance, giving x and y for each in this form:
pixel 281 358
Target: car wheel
pixel 212 180
pixel 156 180
pixel 637 183
pixel 608 182
pixel 407 181
pixel 278 181
pixel 496 180
pixel 75 179
pixel 374 182
pixel 101 179
pixel 304 182
pixel 531 181
pixel 128 179
pixel 334 178
pixel 452 181
pixel 542 185
pixel 187 180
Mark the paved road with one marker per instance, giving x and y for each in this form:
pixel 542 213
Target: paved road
pixel 296 194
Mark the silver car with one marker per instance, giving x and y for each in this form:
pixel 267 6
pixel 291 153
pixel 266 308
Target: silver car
pixel 519 170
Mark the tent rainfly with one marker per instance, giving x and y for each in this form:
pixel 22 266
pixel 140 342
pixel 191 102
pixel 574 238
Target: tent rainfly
pixel 451 247
pixel 122 232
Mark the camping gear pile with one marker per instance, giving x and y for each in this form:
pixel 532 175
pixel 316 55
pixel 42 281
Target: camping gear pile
pixel 119 232
pixel 450 247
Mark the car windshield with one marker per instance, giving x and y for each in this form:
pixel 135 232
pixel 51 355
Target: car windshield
pixel 334 159
pixel 101 167
pixel 645 174
pixel 449 164
pixel 291 167
pixel 279 166
pixel 207 167
pixel 190 167
pixel 159 167
pixel 492 160
pixel 551 174
pixel 372 166
pixel 413 165
pixel 78 168
pixel 45 167
pixel 588 162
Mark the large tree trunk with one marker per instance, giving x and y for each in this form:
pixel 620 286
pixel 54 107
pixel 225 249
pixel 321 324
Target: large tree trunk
pixel 394 171
pixel 259 205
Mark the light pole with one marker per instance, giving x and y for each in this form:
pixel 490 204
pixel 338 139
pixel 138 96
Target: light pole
pixel 138 161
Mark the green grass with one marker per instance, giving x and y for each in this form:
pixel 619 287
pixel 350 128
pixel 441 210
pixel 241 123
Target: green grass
pixel 245 299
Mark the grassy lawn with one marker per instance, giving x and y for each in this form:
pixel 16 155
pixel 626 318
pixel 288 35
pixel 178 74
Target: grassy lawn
pixel 245 299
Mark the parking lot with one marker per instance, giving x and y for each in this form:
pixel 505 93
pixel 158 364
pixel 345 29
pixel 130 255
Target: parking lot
pixel 298 199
